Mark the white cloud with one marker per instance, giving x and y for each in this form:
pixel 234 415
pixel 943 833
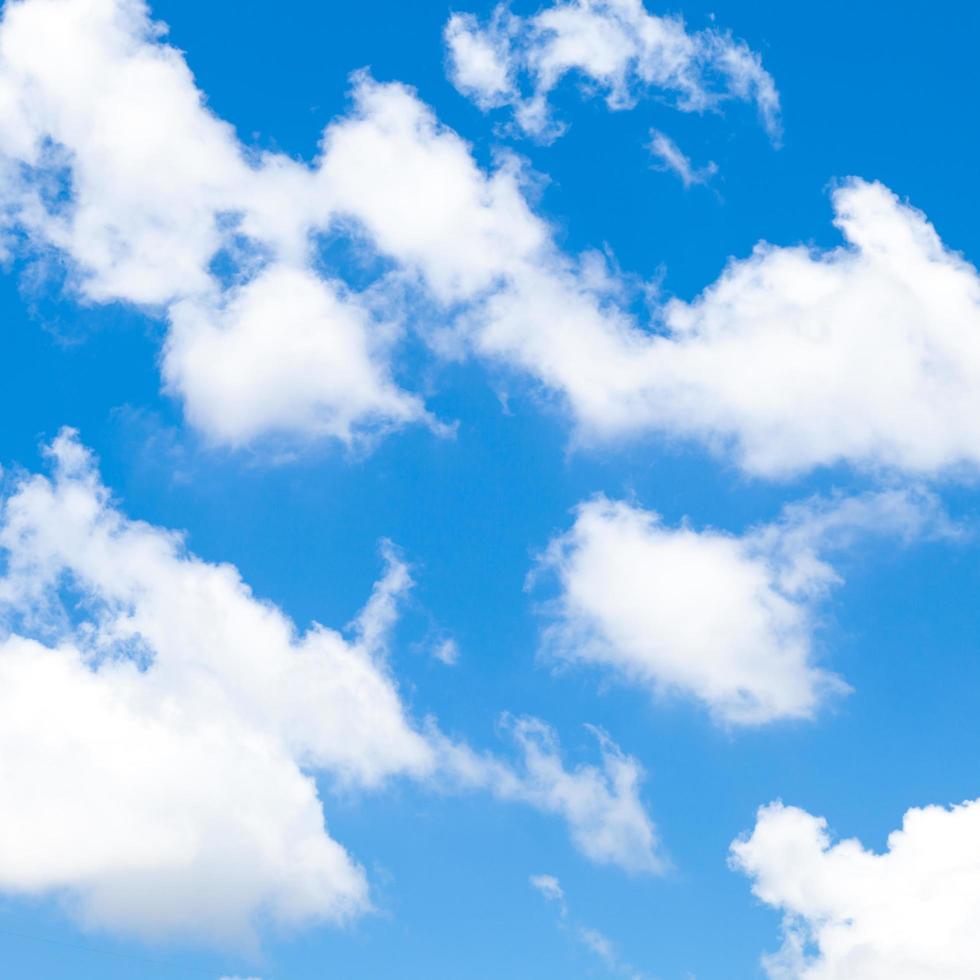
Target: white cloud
pixel 596 942
pixel 109 155
pixel 605 949
pixel 480 61
pixel 728 620
pixel 606 818
pixel 794 358
pixel 501 287
pixel 852 914
pixel 157 720
pixel 260 359
pixel 621 49
pixel 867 353
pixel 446 652
pixel 412 186
pixel 159 724
pixel 673 158
pixel 550 888
pixel 600 804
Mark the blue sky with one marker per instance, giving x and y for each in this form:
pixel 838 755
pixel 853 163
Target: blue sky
pixel 799 623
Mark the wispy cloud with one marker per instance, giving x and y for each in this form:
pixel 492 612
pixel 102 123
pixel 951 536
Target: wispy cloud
pixel 623 50
pixel 673 159
pixel 597 943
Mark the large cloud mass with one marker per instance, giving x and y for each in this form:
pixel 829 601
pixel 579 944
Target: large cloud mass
pixel 109 155
pixel 909 912
pixel 795 358
pixel 156 720
pixel 159 725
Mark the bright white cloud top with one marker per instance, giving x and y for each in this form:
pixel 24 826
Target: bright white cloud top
pixel 867 354
pixel 170 743
pixel 620 48
pixel 176 692
pixel 159 724
pixel 728 620
pixel 94 106
pixel 852 914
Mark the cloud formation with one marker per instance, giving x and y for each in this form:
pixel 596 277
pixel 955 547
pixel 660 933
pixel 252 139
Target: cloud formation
pixel 616 46
pixel 794 358
pixel 600 804
pixel 158 721
pixel 596 942
pixel 728 620
pixel 159 726
pixel 852 914
pixel 110 157
pixel 672 158
pixel 867 353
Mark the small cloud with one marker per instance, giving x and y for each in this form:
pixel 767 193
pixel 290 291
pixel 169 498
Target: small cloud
pixel 446 652
pixel 550 887
pixel 673 159
pixel 623 52
pixel 593 940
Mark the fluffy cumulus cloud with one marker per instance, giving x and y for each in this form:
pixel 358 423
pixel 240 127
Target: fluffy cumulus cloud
pixel 157 720
pixel 169 212
pixel 728 620
pixel 867 353
pixel 794 358
pixel 109 156
pixel 159 725
pixel 617 46
pixel 318 375
pixel 852 914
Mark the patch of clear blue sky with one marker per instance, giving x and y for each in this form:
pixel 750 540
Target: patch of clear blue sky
pixel 884 93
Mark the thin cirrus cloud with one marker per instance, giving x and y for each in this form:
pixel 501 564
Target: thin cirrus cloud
pixel 597 943
pixel 795 358
pixel 727 620
pixel 672 158
pixel 619 47
pixel 137 681
pixel 853 914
